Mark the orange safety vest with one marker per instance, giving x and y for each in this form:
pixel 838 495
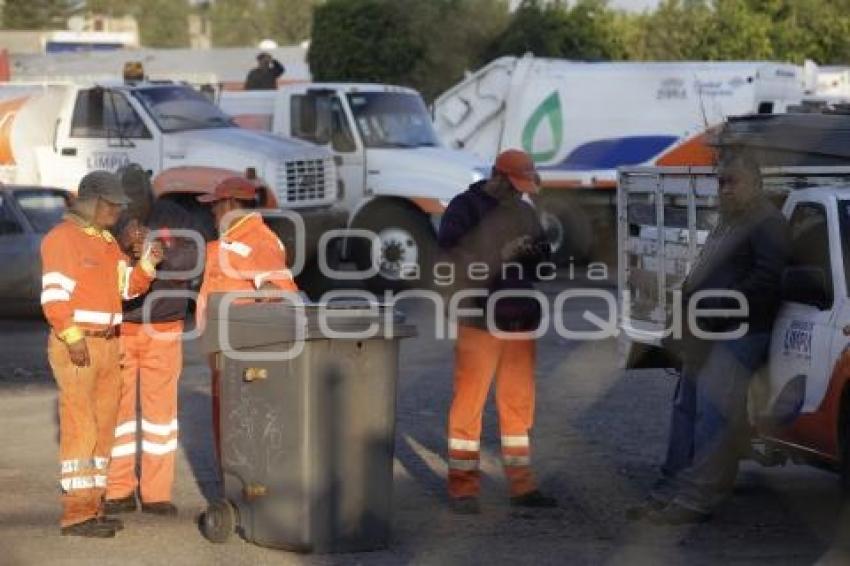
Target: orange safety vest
pixel 247 256
pixel 85 276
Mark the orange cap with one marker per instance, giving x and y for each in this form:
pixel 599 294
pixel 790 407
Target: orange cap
pixel 239 188
pixel 519 168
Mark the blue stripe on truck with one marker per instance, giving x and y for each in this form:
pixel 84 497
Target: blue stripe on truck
pixel 612 153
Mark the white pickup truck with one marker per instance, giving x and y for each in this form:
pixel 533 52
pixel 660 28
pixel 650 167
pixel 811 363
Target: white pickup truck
pixel 800 405
pixel 51 134
pixel 396 177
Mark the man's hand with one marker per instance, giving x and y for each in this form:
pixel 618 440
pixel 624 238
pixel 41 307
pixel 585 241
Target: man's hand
pixel 269 286
pixel 79 353
pixel 517 247
pixel 132 237
pixel 154 253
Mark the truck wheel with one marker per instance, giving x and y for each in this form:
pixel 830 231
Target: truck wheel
pixel 569 230
pixel 218 521
pixel 408 247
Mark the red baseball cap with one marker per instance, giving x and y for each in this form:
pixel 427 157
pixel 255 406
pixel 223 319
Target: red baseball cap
pixel 519 168
pixel 239 188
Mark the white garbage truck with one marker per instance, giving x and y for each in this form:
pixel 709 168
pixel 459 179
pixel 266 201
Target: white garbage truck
pixel 52 134
pixel 581 121
pixel 396 177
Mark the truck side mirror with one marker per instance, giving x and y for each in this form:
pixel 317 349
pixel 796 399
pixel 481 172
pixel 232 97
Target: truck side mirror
pixel 807 285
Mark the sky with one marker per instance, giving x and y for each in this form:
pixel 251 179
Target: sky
pixel 635 5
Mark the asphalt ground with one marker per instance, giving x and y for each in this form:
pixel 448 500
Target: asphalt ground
pixel 598 437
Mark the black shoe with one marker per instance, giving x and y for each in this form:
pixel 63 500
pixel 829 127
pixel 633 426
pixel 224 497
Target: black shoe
pixel 638 512
pixel 91 528
pixel 113 522
pixel 675 514
pixel 465 505
pixel 123 505
pixel 164 508
pixel 534 499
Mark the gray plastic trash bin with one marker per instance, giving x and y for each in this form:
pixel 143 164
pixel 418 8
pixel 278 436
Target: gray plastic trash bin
pixel 307 443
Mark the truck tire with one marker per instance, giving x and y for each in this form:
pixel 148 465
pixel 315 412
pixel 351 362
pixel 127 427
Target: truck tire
pixel 219 521
pixel 408 247
pixel 569 229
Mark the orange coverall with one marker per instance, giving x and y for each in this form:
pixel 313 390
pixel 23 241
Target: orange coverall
pixel 85 275
pixel 247 256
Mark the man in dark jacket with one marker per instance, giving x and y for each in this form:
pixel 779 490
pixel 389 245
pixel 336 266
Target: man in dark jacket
pixel 264 76
pixel 151 355
pixel 494 242
pixel 746 253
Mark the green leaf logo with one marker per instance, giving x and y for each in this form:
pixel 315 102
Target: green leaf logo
pixel 548 111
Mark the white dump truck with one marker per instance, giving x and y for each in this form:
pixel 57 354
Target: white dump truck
pixel 396 177
pixel 800 403
pixel 53 134
pixel 581 121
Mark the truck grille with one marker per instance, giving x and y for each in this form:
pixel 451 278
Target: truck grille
pixel 305 180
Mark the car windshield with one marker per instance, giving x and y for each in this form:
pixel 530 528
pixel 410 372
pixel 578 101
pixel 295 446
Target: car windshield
pixel 392 119
pixel 178 108
pixel 43 208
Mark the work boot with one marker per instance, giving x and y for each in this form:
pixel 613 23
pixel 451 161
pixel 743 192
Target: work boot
pixel 638 512
pixel 465 505
pixel 675 514
pixel 113 522
pixel 164 508
pixel 91 528
pixel 534 499
pixel 123 505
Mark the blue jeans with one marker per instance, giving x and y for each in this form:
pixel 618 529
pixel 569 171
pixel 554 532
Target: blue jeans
pixel 709 421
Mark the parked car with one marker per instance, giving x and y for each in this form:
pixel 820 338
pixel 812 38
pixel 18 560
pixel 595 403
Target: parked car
pixel 27 213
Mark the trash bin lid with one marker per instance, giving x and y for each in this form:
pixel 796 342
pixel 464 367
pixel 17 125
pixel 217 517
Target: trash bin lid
pixel 241 326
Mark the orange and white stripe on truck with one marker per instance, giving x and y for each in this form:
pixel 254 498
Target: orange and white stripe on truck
pixel 8 110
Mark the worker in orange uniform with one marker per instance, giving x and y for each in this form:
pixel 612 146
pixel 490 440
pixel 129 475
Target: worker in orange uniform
pixel 248 256
pixel 491 225
pixel 85 276
pixel 151 355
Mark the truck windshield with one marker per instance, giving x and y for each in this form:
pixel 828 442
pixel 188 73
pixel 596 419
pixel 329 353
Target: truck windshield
pixel 392 119
pixel 178 108
pixel 43 208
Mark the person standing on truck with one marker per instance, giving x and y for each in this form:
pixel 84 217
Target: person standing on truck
pixel 247 256
pixel 151 355
pixel 85 275
pixel 490 224
pixel 747 253
pixel 265 75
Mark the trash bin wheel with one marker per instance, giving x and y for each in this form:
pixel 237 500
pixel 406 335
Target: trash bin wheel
pixel 219 521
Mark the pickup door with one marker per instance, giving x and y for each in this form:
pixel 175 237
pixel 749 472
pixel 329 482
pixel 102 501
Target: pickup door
pixel 106 131
pixel 807 331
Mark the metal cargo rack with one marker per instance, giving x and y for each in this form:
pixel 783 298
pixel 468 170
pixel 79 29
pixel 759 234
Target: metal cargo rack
pixel 664 215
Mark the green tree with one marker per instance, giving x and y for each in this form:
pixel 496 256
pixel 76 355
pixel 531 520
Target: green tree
pixel 532 29
pixel 241 23
pixel 589 30
pixel 37 14
pixel 364 40
pixel 164 23
pixel 453 46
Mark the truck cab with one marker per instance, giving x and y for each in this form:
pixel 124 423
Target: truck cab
pixel 56 133
pixel 396 177
pixel 800 402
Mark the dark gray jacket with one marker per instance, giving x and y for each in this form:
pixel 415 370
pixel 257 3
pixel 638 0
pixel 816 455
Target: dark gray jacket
pixel 746 254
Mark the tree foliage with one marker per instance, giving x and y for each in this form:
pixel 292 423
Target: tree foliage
pixel 365 40
pixel 37 14
pixel 242 23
